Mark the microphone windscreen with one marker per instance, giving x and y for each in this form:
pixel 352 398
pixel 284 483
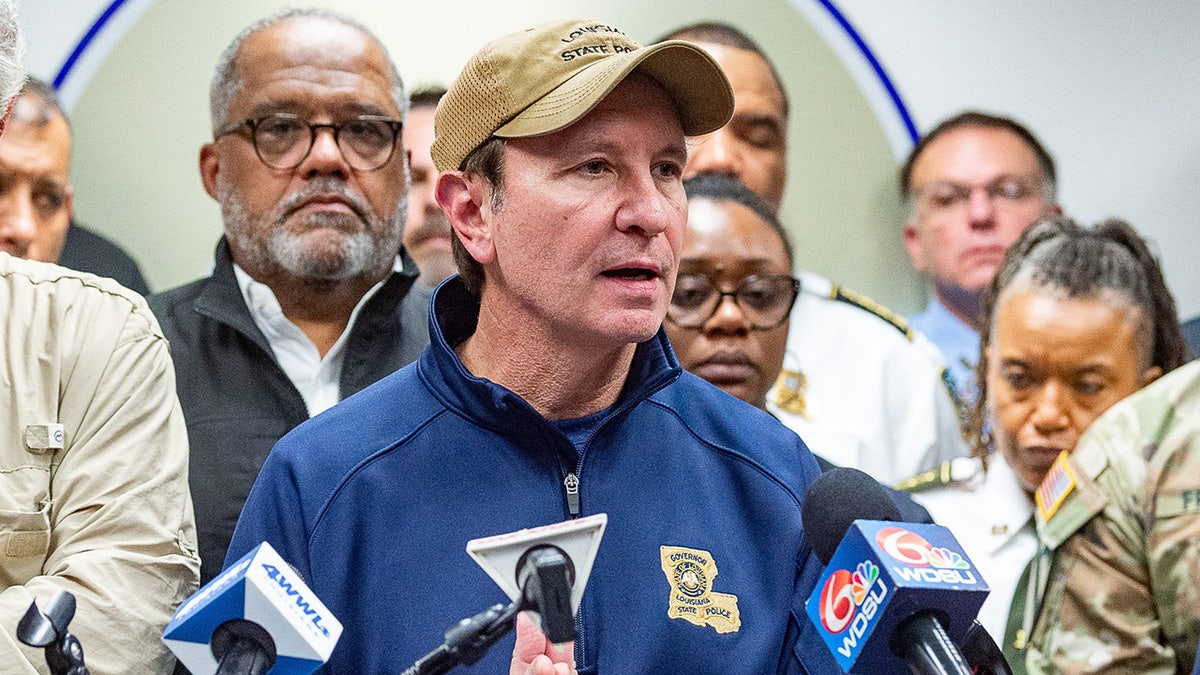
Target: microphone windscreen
pixel 835 500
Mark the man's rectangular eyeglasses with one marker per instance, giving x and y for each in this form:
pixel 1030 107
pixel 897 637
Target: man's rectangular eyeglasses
pixel 1005 191
pixel 282 141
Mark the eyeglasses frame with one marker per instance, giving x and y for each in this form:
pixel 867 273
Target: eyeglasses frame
pixel 722 294
pixel 252 124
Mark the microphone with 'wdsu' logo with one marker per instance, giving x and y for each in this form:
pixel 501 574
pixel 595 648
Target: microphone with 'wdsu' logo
pixel 894 597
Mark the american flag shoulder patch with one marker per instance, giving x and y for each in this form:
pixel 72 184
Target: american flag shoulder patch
pixel 1055 487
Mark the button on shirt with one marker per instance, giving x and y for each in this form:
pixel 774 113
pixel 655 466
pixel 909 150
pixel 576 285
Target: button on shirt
pixel 315 377
pixel 958 342
pixel 992 517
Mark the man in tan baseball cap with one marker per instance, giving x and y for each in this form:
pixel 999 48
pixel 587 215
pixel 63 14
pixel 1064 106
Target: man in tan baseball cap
pixel 541 80
pixel 549 392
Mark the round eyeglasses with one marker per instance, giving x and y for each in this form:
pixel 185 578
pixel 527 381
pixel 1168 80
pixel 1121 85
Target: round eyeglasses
pixel 282 141
pixel 765 300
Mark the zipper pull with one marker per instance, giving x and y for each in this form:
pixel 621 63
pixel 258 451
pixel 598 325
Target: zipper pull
pixel 571 483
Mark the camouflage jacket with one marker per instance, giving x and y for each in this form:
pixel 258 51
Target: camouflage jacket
pixel 1116 583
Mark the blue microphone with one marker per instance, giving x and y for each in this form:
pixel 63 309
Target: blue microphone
pixel 256 617
pixel 894 597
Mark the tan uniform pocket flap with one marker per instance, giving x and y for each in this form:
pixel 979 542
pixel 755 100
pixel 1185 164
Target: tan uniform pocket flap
pixel 24 535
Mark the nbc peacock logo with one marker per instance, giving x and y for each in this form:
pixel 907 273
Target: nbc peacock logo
pixel 845 593
pixel 912 549
pixel 922 561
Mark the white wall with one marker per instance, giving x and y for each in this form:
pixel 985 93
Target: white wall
pixel 1112 88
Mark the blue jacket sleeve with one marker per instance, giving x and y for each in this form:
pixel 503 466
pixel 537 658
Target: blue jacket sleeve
pixel 275 513
pixel 805 652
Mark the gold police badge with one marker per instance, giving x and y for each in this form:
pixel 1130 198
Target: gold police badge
pixel 791 392
pixel 690 573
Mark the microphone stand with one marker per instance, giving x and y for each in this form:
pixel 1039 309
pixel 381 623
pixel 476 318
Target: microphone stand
pixel 64 654
pixel 468 640
pixel 545 576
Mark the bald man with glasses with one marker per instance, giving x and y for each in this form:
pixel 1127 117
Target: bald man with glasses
pixel 972 185
pixel 307 300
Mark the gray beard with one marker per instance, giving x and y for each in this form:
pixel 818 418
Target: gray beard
pixel 351 255
pixel 365 250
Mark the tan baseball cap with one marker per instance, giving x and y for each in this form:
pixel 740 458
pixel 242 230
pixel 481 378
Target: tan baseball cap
pixel 545 78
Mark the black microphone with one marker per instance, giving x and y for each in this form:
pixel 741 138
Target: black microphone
pixel 835 500
pixel 893 595
pixel 543 570
pixel 243 647
pixel 545 576
pixel 982 653
pixel 48 629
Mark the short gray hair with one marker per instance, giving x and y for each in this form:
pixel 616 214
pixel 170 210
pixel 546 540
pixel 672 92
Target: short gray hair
pixel 12 52
pixel 226 84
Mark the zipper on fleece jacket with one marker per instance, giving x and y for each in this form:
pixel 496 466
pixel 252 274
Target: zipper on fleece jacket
pixel 571 483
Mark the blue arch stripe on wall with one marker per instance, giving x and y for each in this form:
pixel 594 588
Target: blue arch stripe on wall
pixel 876 66
pixel 86 41
pixel 893 94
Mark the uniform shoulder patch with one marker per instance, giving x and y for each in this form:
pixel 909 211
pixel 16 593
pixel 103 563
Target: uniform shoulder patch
pixel 953 472
pixel 1055 487
pixel 864 303
pixel 690 573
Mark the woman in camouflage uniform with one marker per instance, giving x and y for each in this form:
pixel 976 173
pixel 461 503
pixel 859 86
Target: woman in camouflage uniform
pixel 1109 324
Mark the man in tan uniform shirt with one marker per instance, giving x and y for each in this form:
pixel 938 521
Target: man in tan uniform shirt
pixel 93 456
pixel 93 468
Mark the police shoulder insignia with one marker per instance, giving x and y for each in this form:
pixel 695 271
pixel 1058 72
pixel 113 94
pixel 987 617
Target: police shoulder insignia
pixel 1055 487
pixel 863 302
pixel 790 392
pixel 690 573
pixel 929 480
pixel 952 472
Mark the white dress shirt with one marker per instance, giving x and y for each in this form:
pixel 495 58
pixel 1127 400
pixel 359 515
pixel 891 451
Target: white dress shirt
pixel 317 378
pixel 873 395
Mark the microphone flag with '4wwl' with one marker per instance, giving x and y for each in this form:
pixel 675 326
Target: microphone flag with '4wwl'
pixel 260 591
pixel 882 573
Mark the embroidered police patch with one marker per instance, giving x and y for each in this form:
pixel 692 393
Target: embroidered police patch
pixel 690 573
pixel 1055 487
